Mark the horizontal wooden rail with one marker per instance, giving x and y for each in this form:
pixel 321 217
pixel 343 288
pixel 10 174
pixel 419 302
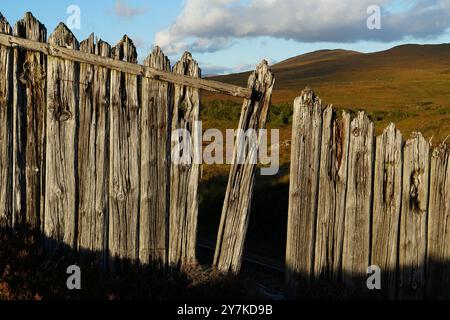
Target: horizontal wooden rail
pixel 131 68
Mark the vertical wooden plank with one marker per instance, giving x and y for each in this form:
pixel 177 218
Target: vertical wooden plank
pixel 62 110
pixel 387 207
pixel 155 163
pixel 414 215
pixel 93 155
pixel 29 125
pixel 304 185
pixel 237 204
pixel 6 130
pixel 125 159
pixel 332 192
pixel 342 156
pixel 358 210
pixel 438 259
pixel 184 177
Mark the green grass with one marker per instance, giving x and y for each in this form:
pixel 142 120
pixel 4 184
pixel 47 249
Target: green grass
pixel 230 111
pixel 408 85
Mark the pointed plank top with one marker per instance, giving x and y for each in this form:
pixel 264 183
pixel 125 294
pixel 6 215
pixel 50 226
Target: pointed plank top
pixel 264 74
pixel 187 66
pixel 30 28
pixel 63 37
pixel 158 60
pixel 308 97
pixel 441 151
pixel 96 46
pixel 125 50
pixel 417 137
pixel 88 45
pixel 391 130
pixel 4 25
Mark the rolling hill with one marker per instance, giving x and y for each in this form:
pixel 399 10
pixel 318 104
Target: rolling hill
pixel 408 85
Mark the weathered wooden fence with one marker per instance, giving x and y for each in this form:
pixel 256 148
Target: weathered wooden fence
pixel 86 140
pixel 85 158
pixel 357 201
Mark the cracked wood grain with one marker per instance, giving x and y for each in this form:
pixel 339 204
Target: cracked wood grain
pixel 237 204
pixel 6 130
pixel 60 216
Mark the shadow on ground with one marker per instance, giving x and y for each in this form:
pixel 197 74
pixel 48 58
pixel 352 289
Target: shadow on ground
pixel 27 273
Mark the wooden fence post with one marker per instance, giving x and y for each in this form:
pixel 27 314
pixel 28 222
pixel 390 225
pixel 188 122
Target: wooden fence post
pixel 332 192
pixel 413 229
pixel 6 130
pixel 387 207
pixel 438 259
pixel 124 179
pixel 303 191
pixel 62 111
pixel 237 204
pixel 356 252
pixel 155 164
pixel 185 175
pixel 29 126
pixel 93 153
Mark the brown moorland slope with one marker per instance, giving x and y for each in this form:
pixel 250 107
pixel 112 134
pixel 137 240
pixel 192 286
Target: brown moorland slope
pixel 408 85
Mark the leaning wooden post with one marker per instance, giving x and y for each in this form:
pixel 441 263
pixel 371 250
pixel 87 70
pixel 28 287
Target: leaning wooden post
pixel 303 190
pixel 237 204
pixel 29 126
pixel 6 129
pixel 414 215
pixel 185 167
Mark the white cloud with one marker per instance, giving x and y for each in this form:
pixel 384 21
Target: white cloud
pixel 213 70
pixel 208 26
pixel 121 9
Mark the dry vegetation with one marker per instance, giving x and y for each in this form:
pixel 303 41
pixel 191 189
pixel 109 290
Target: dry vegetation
pixel 26 274
pixel 408 85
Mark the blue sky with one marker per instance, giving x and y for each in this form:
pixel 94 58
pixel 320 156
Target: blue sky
pixel 233 35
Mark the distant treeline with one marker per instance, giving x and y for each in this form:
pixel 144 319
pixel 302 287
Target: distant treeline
pixel 227 110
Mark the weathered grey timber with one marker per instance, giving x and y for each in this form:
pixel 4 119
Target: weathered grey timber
pixel 414 215
pixel 93 153
pixel 124 66
pixel 125 145
pixel 30 70
pixel 155 163
pixel 60 216
pixel 387 207
pixel 185 172
pixel 438 253
pixel 332 195
pixel 6 130
pixel 237 204
pixel 304 186
pixel 358 209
